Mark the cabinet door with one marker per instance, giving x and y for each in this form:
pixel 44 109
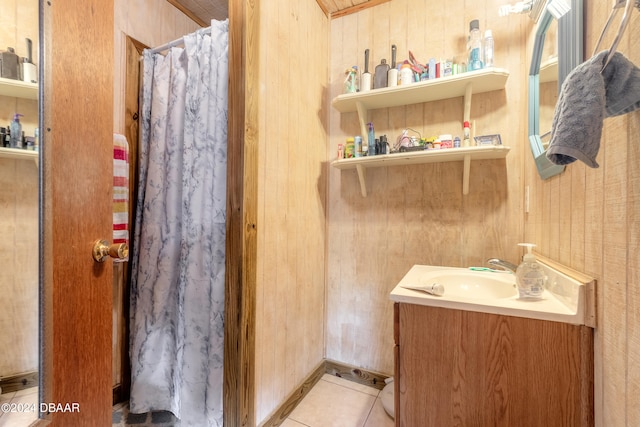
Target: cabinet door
pixel 477 369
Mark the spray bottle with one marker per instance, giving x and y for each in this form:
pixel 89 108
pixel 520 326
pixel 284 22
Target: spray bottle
pixel 16 132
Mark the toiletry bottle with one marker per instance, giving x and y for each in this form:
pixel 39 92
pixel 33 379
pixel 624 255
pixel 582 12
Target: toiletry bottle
pixel 349 148
pixel 406 74
pixel 16 132
pixel 530 277
pixel 466 131
pixel 371 143
pixel 488 49
pixel 392 75
pixel 365 81
pixel 357 146
pixel 351 80
pixel 3 135
pixel 475 46
pixel 380 75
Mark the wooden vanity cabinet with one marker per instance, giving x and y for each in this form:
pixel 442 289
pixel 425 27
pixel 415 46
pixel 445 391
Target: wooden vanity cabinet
pixel 463 368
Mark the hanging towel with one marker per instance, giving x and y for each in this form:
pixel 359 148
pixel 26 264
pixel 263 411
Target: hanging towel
pixel 586 98
pixel 120 191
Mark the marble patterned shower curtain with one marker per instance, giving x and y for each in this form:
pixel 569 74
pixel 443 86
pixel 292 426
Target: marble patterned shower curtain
pixel 177 292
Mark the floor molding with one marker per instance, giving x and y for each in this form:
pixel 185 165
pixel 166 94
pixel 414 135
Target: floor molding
pixel 342 370
pixel 19 382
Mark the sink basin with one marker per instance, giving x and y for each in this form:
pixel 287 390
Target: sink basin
pixel 565 299
pixel 472 284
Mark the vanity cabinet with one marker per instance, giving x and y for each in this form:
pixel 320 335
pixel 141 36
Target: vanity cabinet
pixel 465 368
pixel 460 85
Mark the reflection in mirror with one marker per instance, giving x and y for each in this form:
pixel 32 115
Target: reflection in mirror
pixel 19 278
pixel 548 82
pixel 545 81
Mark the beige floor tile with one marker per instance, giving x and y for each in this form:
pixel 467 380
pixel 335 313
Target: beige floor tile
pixel 351 384
pixel 332 405
pixel 379 417
pixel 291 423
pixel 26 411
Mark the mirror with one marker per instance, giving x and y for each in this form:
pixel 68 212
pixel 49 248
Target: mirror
pixel 19 214
pixel 546 74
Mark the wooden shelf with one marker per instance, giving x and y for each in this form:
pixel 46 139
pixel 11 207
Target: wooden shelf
pixel 485 80
pixel 19 154
pixel 465 84
pixel 465 155
pixel 549 70
pixel 18 89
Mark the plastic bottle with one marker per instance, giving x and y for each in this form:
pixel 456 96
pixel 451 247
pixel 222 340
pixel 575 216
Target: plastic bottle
pixel 466 138
pixel 371 143
pixel 530 277
pixel 357 146
pixel 475 46
pixel 351 81
pixel 406 74
pixel 488 49
pixel 16 132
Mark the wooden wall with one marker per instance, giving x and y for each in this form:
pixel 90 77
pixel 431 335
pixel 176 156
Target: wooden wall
pixel 19 211
pixel 291 212
pixel 589 219
pixel 417 214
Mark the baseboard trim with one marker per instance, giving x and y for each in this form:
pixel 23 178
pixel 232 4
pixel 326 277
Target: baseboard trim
pixel 355 374
pixel 19 382
pixel 331 367
pixel 281 413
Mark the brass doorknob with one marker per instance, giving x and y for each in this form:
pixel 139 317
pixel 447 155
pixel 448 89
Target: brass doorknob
pixel 102 250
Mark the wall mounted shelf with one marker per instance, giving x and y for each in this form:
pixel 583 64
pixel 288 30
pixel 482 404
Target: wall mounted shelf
pixel 18 89
pixel 466 154
pixel 18 154
pixel 549 70
pixel 465 84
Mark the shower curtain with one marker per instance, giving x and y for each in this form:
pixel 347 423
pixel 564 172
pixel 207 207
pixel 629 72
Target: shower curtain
pixel 177 290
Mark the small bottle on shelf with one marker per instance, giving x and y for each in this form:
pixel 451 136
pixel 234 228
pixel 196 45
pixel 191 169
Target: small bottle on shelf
pixel 466 139
pixel 488 48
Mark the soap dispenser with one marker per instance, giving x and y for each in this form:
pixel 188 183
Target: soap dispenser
pixel 530 277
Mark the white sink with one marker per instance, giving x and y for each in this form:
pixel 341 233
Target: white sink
pixel 567 299
pixel 463 283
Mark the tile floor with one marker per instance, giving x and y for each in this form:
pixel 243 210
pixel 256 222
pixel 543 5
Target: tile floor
pixel 23 407
pixel 336 402
pixel 332 402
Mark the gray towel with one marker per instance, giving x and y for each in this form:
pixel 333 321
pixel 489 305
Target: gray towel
pixel 586 98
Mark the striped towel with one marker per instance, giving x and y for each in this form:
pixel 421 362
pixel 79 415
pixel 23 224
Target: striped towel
pixel 120 191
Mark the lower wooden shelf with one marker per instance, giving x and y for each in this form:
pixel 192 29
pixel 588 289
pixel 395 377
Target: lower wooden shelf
pixel 465 154
pixel 19 154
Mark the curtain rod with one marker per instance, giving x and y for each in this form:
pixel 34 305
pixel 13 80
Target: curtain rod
pixel 178 42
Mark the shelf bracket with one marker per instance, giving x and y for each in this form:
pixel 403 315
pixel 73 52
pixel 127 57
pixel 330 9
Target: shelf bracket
pixel 468 91
pixel 465 174
pixel 363 117
pixel 362 175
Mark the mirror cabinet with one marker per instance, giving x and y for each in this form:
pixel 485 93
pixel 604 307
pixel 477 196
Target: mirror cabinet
pixel 19 211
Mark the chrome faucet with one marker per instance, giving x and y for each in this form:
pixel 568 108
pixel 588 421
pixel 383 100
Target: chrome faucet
pixel 505 265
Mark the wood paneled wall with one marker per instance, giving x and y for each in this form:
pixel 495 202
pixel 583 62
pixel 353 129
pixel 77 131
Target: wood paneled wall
pixel 417 214
pixel 292 174
pixel 589 219
pixel 19 211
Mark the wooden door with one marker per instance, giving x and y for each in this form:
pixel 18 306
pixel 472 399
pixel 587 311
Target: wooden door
pixel 77 150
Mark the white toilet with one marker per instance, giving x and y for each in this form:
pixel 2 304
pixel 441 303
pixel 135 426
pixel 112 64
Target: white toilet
pixel 386 396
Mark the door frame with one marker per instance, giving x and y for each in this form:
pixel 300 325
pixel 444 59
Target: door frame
pixel 242 208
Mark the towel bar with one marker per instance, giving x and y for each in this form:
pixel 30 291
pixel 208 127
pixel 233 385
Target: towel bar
pixel 623 26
